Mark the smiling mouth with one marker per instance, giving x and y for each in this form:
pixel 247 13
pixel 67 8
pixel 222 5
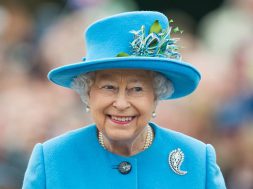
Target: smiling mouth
pixel 121 119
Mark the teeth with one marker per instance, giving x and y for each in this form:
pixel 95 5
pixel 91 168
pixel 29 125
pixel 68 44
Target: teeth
pixel 122 118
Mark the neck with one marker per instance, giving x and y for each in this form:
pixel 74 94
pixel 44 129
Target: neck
pixel 127 148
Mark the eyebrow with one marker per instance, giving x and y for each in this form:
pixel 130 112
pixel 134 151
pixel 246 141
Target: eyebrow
pixel 135 80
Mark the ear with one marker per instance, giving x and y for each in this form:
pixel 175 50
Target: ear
pixel 156 101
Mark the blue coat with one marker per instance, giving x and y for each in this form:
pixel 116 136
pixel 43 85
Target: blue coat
pixel 77 161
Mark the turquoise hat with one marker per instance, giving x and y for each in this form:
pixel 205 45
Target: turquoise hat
pixel 132 40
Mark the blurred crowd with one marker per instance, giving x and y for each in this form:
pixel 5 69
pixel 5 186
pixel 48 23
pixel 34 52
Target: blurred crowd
pixel 33 110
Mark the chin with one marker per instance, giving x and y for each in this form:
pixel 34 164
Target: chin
pixel 120 136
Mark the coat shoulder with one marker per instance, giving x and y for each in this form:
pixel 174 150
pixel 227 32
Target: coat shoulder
pixel 175 138
pixel 72 139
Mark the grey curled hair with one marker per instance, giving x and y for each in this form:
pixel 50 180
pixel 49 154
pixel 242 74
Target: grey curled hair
pixel 81 84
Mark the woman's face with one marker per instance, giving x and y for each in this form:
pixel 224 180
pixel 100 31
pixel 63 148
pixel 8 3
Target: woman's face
pixel 121 103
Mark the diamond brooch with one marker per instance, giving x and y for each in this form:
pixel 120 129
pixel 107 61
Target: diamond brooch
pixel 176 158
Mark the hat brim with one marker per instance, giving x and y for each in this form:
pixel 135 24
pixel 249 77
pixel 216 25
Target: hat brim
pixel 185 78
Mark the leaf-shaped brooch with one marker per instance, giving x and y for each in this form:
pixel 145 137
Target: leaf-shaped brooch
pixel 176 158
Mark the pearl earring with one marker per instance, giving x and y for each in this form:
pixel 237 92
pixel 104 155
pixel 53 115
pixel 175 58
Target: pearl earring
pixel 87 109
pixel 154 114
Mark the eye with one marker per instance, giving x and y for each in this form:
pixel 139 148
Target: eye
pixel 109 87
pixel 137 89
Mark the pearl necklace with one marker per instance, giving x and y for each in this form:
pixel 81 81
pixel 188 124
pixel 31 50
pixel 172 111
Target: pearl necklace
pixel 148 141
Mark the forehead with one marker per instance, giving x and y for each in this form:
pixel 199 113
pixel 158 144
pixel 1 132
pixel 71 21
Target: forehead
pixel 129 74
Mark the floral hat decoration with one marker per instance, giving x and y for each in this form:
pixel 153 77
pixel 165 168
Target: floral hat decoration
pixel 132 40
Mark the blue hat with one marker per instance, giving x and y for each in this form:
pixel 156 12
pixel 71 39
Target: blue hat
pixel 132 40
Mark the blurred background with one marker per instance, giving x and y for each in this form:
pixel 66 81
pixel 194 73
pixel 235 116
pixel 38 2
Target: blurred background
pixel 36 36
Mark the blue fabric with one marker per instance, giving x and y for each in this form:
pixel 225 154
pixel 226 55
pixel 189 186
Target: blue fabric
pixel 76 160
pixel 110 36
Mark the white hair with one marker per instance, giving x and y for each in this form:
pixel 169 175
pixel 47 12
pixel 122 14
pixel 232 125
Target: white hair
pixel 163 87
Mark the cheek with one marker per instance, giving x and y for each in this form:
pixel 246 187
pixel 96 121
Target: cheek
pixel 97 100
pixel 98 105
pixel 145 108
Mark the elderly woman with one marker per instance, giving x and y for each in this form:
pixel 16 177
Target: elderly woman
pixel 132 62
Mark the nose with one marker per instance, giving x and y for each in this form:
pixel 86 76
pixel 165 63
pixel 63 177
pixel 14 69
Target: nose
pixel 121 102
